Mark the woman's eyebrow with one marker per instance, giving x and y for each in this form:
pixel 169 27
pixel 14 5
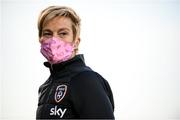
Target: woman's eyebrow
pixel 46 30
pixel 64 29
pixel 61 29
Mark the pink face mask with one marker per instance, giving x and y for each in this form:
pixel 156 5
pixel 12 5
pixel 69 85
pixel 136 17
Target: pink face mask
pixel 56 50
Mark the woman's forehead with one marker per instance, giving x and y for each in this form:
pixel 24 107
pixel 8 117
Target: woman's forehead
pixel 58 22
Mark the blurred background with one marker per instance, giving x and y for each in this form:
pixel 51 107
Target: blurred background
pixel 134 44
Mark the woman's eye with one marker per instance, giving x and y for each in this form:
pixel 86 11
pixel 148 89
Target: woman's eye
pixel 63 34
pixel 46 34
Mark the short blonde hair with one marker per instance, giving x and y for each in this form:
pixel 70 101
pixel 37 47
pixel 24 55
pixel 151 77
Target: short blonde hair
pixel 53 11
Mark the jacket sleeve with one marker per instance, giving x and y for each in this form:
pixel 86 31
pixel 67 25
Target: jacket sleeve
pixel 90 98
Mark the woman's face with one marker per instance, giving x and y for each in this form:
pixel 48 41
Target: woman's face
pixel 59 27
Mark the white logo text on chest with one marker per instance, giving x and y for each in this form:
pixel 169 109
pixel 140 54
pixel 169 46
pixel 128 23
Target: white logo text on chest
pixel 57 111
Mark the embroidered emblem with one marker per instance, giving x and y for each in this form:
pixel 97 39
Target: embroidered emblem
pixel 60 92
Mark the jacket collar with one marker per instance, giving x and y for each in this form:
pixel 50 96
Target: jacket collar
pixel 76 60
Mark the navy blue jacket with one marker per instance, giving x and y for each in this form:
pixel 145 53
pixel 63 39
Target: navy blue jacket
pixel 74 91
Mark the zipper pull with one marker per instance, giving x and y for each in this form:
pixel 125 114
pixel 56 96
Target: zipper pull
pixel 52 67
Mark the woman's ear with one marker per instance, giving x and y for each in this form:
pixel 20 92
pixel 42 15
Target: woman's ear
pixel 77 42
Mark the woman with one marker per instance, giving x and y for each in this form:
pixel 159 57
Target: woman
pixel 72 90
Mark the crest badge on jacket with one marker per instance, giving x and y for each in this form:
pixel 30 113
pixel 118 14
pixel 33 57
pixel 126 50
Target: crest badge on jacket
pixel 60 92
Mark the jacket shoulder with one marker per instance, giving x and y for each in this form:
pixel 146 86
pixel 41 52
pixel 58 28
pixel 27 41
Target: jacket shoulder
pixel 74 71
